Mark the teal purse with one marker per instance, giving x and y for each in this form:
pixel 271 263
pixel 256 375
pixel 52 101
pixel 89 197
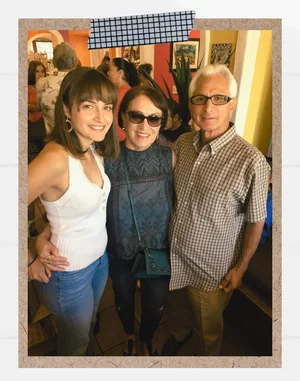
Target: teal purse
pixel 149 263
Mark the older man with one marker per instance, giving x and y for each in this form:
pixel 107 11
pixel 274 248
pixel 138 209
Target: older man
pixel 47 88
pixel 221 185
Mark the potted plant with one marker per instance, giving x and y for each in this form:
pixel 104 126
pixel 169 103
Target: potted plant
pixel 182 77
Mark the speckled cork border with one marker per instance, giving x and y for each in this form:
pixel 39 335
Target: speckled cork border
pixel 274 361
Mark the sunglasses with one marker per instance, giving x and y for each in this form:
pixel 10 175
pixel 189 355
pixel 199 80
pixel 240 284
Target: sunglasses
pixel 137 118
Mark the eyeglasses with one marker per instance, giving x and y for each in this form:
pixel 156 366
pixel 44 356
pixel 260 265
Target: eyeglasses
pixel 137 118
pixel 217 99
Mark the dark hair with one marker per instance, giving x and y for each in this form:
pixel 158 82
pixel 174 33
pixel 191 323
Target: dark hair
pixel 147 67
pixel 130 73
pixel 105 59
pixel 156 98
pixel 104 67
pixel 31 71
pixel 78 85
pixel 173 107
pixel 64 56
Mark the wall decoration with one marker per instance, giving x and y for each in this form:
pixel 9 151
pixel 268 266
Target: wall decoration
pixel 190 50
pixel 221 53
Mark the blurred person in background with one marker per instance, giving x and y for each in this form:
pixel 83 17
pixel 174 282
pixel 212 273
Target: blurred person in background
pixel 64 60
pixel 125 76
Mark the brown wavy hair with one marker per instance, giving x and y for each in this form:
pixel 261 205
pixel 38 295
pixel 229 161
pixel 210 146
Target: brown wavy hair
pixel 79 85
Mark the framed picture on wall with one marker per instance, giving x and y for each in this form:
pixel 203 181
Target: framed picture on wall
pixel 190 51
pixel 221 53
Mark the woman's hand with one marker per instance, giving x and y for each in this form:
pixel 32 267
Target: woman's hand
pixel 49 255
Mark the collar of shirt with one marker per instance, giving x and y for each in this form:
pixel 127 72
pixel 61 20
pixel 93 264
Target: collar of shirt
pixel 217 143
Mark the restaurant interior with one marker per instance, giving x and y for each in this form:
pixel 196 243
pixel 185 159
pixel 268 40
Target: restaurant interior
pixel 248 54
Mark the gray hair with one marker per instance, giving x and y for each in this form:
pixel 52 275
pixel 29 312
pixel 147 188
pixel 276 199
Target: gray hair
pixel 64 56
pixel 211 70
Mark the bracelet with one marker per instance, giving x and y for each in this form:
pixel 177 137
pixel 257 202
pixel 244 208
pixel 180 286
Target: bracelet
pixel 33 260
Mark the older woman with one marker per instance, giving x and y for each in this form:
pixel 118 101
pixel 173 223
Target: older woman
pixel 143 113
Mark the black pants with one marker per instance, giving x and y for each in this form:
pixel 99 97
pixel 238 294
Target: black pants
pixel 153 297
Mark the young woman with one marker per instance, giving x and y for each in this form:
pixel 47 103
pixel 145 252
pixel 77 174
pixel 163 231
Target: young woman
pixel 143 113
pixel 36 70
pixel 68 176
pixel 125 76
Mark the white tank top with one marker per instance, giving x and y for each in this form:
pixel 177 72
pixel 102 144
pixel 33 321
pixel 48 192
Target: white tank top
pixel 78 217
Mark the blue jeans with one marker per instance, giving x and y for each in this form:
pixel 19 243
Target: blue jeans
pixel 73 298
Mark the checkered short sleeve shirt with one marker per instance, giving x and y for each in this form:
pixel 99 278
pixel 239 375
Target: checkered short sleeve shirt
pixel 218 190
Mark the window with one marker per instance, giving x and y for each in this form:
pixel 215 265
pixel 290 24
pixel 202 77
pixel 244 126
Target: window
pixel 43 47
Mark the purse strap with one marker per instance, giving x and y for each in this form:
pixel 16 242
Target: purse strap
pixel 131 200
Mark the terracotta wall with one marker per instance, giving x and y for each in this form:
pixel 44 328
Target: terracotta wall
pixel 32 33
pixel 77 38
pixel 161 56
pixel 79 41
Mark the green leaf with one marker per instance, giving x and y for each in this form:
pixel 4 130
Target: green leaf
pixel 167 87
pixel 153 82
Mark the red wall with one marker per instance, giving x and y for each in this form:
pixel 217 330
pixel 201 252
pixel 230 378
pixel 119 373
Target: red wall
pixel 161 67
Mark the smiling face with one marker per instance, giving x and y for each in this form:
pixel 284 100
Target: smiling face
pixel 140 136
pixel 210 118
pixel 91 120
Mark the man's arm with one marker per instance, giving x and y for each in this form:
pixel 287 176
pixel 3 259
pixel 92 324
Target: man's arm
pixel 233 278
pixel 36 270
pixel 48 253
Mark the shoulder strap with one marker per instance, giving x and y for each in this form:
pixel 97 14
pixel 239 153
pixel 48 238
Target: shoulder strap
pixel 131 199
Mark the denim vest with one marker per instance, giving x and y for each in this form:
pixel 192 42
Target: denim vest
pixel 151 183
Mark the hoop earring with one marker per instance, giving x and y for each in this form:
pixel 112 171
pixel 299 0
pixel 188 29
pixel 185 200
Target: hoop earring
pixel 68 120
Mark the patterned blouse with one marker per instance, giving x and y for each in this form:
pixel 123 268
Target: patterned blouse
pixel 151 182
pixel 47 90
